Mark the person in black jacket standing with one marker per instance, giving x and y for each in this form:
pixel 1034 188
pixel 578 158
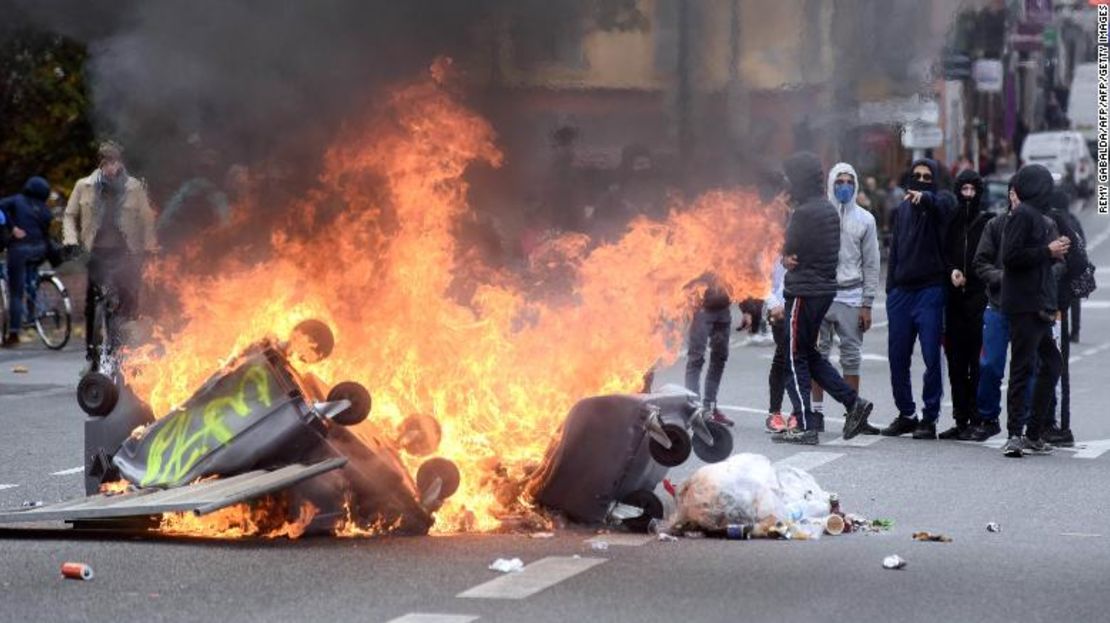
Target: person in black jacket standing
pixel 1029 300
pixel 811 254
pixel 916 274
pixel 965 301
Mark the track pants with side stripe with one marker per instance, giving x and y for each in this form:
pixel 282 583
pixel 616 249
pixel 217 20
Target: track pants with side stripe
pixel 804 364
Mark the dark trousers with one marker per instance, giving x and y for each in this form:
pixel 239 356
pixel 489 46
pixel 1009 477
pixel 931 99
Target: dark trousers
pixel 117 274
pixel 1031 348
pixel 805 365
pixel 1076 312
pixel 22 260
pixel 776 378
pixel 916 316
pixel 963 344
pixel 708 328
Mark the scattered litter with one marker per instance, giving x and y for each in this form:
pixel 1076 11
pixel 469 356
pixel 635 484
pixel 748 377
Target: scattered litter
pixel 694 534
pixel 882 524
pixel 668 486
pixel 929 536
pixel 20 369
pixel 667 538
pixel 834 525
pixel 599 546
pixel 77 571
pixel 31 504
pixel 542 535
pixel 505 565
pixel 894 562
pixel 993 527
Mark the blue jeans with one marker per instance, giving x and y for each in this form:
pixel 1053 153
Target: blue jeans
pixel 22 260
pixel 916 316
pixel 992 364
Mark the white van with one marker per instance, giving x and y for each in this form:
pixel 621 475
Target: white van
pixel 1065 153
pixel 1083 101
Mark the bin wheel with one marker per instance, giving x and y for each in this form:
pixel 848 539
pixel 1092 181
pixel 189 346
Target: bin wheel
pixel 419 434
pixel 312 340
pixel 97 394
pixel 441 469
pixel 722 444
pixel 679 450
pixel 652 505
pixel 360 402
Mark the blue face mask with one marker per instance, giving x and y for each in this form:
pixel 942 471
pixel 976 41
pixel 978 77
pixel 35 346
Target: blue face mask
pixel 844 192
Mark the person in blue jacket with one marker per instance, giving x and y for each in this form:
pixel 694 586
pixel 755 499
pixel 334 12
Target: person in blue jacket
pixel 28 222
pixel 916 275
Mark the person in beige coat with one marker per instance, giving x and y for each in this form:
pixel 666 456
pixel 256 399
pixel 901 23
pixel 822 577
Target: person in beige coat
pixel 109 215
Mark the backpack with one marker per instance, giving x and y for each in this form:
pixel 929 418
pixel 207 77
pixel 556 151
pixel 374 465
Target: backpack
pixel 1082 283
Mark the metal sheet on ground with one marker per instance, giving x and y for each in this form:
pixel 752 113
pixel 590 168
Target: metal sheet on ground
pixel 201 498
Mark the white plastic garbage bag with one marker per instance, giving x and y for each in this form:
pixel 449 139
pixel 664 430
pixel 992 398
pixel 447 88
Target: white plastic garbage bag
pixel 746 488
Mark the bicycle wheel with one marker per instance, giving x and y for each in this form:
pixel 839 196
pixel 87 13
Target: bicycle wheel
pixel 53 312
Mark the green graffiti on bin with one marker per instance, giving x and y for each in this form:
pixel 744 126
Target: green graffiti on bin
pixel 177 447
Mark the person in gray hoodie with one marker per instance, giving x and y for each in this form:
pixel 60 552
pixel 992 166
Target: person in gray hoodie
pixel 857 278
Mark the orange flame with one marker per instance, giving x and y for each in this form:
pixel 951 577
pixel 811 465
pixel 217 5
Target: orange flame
pixel 499 368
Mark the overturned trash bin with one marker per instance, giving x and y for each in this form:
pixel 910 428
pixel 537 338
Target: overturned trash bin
pixel 255 428
pixel 610 454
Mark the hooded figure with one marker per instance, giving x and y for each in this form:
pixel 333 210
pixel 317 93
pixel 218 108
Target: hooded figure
pixel 27 223
pixel 1029 252
pixel 813 234
pixel 916 276
pixel 811 253
pixel 965 303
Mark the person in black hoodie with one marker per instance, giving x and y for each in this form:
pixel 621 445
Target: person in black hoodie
pixel 1030 248
pixel 916 275
pixel 28 220
pixel 965 301
pixel 1075 264
pixel 811 254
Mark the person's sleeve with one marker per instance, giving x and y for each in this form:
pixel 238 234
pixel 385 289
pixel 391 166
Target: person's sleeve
pixel 146 213
pixel 985 254
pixel 1017 253
pixel 892 257
pixel 71 218
pixel 870 263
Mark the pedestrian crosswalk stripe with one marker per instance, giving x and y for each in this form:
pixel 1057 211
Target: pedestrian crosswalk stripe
pixel 66 472
pixel 857 442
pixel 2 487
pixel 538 576
pixel 809 460
pixel 419 617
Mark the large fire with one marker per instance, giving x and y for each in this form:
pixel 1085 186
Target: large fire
pixel 499 367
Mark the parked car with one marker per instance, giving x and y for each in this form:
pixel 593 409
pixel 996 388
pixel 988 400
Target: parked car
pixel 1064 153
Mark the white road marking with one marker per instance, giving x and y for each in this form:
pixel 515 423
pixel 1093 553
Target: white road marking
pixel 620 538
pixel 1090 449
pixel 66 472
pixel 1085 535
pixel 419 617
pixel 538 576
pixel 808 460
pixel 2 487
pixel 741 409
pixel 1096 305
pixel 45 393
pixel 861 441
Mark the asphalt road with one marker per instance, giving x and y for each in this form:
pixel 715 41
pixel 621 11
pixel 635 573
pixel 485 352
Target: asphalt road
pixel 1050 562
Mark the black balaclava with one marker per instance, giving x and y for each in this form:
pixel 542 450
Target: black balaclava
pixel 1033 185
pixel 804 176
pixel 968 176
pixel 913 184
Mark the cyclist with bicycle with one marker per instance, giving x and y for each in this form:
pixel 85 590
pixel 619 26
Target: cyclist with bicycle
pixel 109 214
pixel 27 220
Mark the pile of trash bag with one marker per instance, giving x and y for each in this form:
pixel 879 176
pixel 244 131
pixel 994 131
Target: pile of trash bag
pixel 747 490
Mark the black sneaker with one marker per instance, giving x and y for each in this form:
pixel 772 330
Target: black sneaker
pixel 868 429
pixel 967 433
pixel 925 430
pixel 985 430
pixel 1014 447
pixel 856 419
pixel 797 436
pixel 900 426
pixel 1037 446
pixel 1059 438
pixel 954 432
